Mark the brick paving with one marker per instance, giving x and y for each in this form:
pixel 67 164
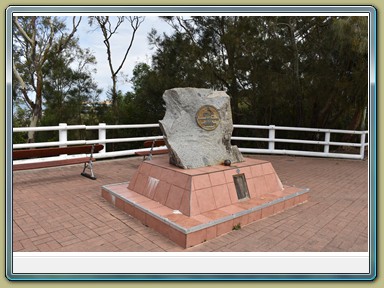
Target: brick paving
pixel 55 209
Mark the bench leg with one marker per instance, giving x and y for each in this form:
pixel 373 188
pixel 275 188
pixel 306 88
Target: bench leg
pixel 88 165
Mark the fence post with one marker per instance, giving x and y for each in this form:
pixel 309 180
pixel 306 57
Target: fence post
pixel 362 145
pixel 327 139
pixel 63 137
pixel 102 136
pixel 271 138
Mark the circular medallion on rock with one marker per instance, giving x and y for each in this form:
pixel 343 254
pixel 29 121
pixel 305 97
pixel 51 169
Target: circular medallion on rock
pixel 208 117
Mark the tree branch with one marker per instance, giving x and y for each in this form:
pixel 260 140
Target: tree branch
pixel 21 30
pixel 49 44
pixel 135 24
pixel 23 86
pixel 181 22
pixel 63 43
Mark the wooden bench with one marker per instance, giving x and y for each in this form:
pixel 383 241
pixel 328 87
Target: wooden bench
pixel 48 152
pixel 151 144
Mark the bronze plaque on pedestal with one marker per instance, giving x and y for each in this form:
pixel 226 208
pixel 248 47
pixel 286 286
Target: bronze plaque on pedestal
pixel 241 186
pixel 208 117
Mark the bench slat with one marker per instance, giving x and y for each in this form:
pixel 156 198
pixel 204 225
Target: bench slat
pixel 154 152
pixel 46 152
pixel 46 164
pixel 158 142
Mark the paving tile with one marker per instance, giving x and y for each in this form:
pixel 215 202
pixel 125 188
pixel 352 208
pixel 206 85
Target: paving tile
pixel 231 209
pixel 185 205
pixel 55 209
pixel 181 180
pixel 140 184
pixel 221 195
pixel 201 182
pixel 217 178
pixel 257 170
pixel 156 171
pixel 205 199
pixel 229 175
pixel 224 227
pixel 251 188
pixel 266 212
pixel 232 192
pixel 267 168
pixel 247 172
pixel 260 185
pixel 215 214
pixel 174 197
pixel 254 216
pixel 194 210
pixel 161 192
pixel 196 238
pixel 167 175
pixel 273 183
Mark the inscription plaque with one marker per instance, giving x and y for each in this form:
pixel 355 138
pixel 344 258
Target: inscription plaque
pixel 208 117
pixel 241 186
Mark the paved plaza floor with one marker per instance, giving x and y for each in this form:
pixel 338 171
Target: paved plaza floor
pixel 56 209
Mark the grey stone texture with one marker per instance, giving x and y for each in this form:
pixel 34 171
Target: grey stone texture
pixel 190 145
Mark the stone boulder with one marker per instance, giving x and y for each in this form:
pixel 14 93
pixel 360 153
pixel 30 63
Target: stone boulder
pixel 197 128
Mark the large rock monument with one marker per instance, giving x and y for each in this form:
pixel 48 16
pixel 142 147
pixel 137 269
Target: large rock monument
pixel 203 188
pixel 197 128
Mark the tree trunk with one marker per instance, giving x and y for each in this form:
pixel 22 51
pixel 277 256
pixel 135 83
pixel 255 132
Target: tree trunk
pixel 296 71
pixel 36 108
pixel 324 113
pixel 115 112
pixel 115 107
pixel 356 123
pixel 35 118
pixel 235 108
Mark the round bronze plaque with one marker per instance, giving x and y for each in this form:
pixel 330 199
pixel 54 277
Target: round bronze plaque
pixel 208 117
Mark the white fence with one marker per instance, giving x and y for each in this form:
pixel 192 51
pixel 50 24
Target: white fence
pixel 272 140
pixel 326 143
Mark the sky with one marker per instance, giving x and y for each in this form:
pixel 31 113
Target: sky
pixel 140 51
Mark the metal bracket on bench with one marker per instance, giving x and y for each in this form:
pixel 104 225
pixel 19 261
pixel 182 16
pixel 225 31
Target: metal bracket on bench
pixel 149 157
pixel 89 165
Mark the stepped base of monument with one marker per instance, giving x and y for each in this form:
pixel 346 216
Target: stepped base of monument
pixel 196 205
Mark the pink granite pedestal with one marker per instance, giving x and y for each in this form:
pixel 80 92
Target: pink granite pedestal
pixel 191 206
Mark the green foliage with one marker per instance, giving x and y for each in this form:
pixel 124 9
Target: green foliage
pixel 290 71
pixel 35 40
pixel 20 119
pixel 69 91
pixel 236 227
pixel 306 71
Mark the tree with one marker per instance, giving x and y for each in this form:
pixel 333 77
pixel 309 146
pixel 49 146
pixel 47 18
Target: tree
pixel 34 39
pixel 351 37
pixel 227 51
pixel 70 92
pixel 109 29
pixel 145 103
pixel 292 71
pixel 335 73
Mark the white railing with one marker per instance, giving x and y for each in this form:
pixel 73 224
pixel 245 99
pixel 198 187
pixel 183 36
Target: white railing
pixel 272 140
pixel 326 143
